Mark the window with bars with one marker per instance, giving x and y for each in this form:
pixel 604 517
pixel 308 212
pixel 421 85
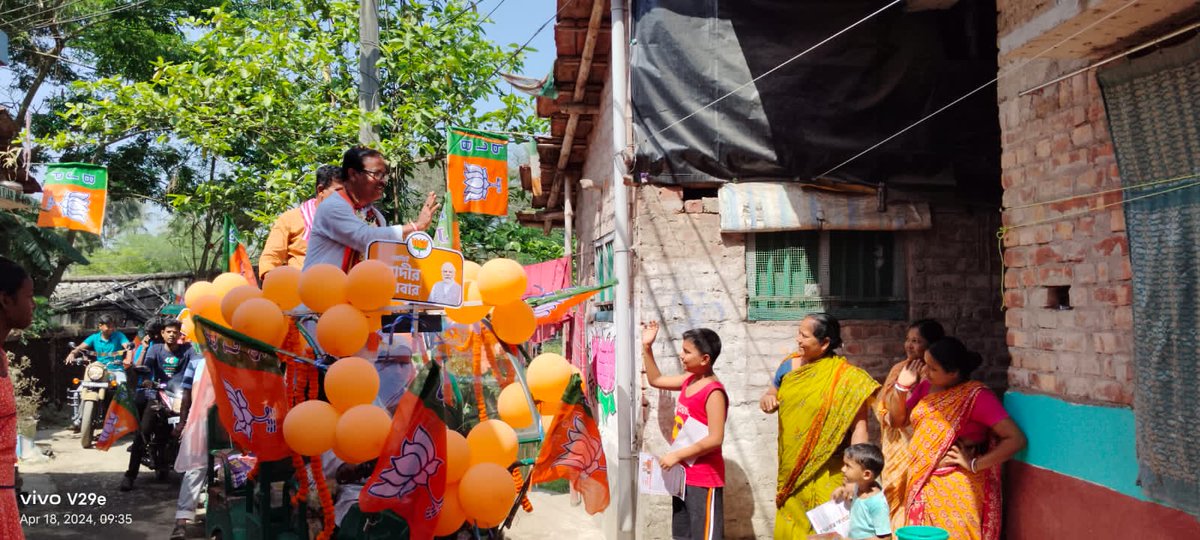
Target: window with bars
pixel 604 272
pixel 849 274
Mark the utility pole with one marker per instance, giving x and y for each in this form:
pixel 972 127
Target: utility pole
pixel 368 75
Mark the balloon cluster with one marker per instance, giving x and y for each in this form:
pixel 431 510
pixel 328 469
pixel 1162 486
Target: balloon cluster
pixel 349 424
pixel 232 301
pixel 496 288
pixel 548 376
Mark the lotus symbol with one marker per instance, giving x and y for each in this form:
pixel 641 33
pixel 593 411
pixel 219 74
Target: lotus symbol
pixel 414 468
pixel 582 451
pixel 243 418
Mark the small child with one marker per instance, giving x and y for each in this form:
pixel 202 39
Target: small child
pixel 700 515
pixel 869 517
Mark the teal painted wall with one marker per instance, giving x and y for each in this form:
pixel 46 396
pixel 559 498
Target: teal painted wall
pixel 1088 442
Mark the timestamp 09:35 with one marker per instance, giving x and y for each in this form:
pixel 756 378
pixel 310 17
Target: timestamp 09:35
pixel 69 519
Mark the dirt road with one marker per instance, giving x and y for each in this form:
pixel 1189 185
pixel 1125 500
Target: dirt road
pixel 74 494
pixel 64 493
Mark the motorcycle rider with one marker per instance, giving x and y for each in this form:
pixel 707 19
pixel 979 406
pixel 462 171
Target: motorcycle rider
pixel 109 344
pixel 163 361
pixel 151 335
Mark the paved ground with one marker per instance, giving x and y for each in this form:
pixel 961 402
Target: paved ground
pixel 147 513
pixel 82 476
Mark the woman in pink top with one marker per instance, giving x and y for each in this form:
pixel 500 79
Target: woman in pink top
pixel 16 312
pixel 700 514
pixel 961 436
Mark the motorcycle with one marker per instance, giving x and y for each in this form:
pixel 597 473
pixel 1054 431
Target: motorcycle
pixel 165 401
pixel 91 395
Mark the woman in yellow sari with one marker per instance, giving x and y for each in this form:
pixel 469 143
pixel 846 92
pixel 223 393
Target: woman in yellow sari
pixel 822 405
pixel 961 436
pixel 895 439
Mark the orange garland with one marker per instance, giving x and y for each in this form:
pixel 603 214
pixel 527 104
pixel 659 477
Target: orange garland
pixel 518 481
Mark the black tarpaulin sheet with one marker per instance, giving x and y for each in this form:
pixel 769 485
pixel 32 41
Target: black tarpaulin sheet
pixel 814 113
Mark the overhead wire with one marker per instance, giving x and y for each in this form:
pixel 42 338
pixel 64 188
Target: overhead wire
pixel 117 9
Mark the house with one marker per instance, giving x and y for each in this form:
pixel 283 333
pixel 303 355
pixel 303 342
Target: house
pixel 1050 218
pixel 1099 158
pixel 734 228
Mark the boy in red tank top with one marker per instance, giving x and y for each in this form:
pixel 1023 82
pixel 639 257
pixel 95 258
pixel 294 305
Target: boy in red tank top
pixel 700 514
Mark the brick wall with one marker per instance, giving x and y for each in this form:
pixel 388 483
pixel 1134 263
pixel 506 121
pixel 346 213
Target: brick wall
pixel 1057 151
pixel 1014 13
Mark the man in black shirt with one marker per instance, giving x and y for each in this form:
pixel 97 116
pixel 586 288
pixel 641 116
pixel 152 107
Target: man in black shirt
pixel 163 361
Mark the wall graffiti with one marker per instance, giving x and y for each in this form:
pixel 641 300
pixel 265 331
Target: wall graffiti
pixel 602 351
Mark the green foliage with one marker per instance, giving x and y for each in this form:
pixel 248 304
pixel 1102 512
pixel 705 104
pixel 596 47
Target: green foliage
pixel 274 95
pixel 28 394
pixel 136 253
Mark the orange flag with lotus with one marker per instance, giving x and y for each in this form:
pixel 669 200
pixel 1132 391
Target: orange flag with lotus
pixel 572 450
pixel 74 197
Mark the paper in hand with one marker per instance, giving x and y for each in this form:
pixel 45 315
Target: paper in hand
pixel 830 517
pixel 690 433
pixel 653 480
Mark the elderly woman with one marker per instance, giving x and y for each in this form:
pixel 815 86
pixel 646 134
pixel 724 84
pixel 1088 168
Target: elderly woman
pixel 16 312
pixel 347 221
pixel 961 436
pixel 822 405
pixel 895 439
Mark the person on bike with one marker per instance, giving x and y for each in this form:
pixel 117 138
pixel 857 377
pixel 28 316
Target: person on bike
pixel 163 361
pixel 151 336
pixel 109 344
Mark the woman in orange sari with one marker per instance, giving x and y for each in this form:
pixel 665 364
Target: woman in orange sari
pixel 961 436
pixel 822 405
pixel 895 439
pixel 16 311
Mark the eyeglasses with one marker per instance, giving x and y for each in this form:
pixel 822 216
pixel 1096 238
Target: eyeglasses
pixel 382 176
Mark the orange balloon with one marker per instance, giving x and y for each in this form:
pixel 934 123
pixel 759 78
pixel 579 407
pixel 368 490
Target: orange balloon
pixel 261 319
pixel 513 407
pixel 470 271
pixel 322 286
pixel 370 285
pixel 469 314
pixel 549 408
pixel 350 382
pixel 306 427
pixel 501 281
pixel 458 456
pixel 491 496
pixel 547 422
pixel 492 441
pixel 235 297
pixel 342 330
pixel 360 433
pixel 282 286
pixel 195 291
pixel 227 282
pixel 548 376
pixel 514 323
pixel 188 328
pixel 209 307
pixel 451 517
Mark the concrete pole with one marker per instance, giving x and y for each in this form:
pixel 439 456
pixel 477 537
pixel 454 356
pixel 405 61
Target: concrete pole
pixel 568 219
pixel 625 483
pixel 368 75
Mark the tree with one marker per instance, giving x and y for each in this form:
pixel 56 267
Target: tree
pixel 270 97
pixel 55 43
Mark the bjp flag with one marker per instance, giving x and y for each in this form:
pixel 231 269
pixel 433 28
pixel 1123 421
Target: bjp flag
pixel 477 171
pixel 235 253
pixel 120 420
pixel 247 379
pixel 572 450
pixel 74 197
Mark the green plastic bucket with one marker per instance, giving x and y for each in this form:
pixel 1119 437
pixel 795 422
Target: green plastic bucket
pixel 921 532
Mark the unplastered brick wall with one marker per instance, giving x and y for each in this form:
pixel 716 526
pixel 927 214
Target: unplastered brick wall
pixel 1056 152
pixel 1014 13
pixel 954 277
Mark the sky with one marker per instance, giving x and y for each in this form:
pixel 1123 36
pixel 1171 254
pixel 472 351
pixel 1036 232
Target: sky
pixel 515 21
